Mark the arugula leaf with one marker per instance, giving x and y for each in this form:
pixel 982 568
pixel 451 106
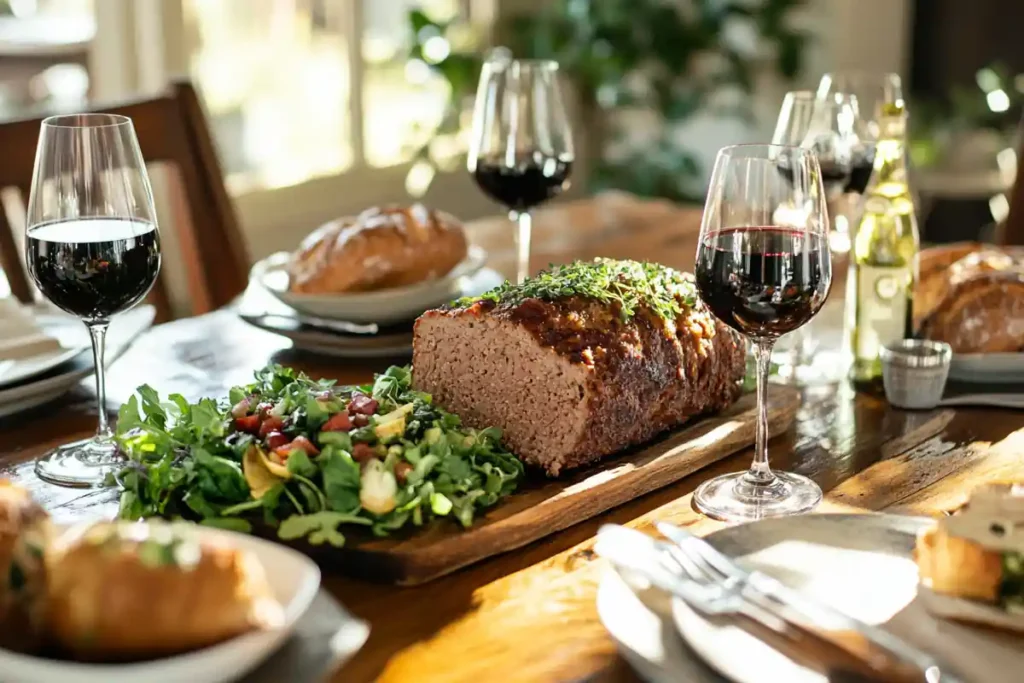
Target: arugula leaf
pixel 206 419
pixel 299 463
pixel 341 480
pixel 219 478
pixel 319 527
pixel 229 523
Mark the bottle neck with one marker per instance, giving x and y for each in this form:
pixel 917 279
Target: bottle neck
pixel 889 177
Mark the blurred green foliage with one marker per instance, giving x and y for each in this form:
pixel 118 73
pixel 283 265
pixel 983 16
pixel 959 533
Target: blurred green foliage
pixel 670 59
pixel 995 102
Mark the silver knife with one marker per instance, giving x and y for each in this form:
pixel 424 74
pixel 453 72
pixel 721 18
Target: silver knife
pixel 342 326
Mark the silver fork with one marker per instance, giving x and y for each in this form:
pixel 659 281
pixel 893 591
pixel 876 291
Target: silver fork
pixel 704 564
pixel 639 554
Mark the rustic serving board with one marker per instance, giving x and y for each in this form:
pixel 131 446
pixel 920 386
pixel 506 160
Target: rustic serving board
pixel 543 506
pixel 539 508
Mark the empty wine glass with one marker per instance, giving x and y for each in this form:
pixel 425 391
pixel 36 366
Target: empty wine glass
pixel 93 249
pixel 765 273
pixel 521 151
pixel 827 126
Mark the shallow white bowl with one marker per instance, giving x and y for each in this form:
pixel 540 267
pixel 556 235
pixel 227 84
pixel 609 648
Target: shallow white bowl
pixel 293 577
pixel 383 306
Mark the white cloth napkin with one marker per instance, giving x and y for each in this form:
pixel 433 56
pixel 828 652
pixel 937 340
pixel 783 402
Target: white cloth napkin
pixel 20 336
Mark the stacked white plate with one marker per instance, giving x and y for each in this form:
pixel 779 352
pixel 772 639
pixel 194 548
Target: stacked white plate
pixel 357 325
pixel 30 381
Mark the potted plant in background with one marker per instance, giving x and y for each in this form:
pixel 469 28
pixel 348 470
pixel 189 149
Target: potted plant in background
pixel 640 70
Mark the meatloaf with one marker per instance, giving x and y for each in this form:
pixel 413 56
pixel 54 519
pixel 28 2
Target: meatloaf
pixel 581 361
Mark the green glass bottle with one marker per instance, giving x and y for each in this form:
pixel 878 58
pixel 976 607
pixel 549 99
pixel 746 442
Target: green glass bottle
pixel 883 264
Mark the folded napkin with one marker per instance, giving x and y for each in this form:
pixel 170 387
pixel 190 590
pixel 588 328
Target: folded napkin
pixel 20 336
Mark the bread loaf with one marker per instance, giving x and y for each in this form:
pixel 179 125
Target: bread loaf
pixel 976 304
pixel 381 248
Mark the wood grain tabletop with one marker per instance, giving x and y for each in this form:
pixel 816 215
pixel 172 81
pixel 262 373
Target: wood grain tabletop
pixel 529 615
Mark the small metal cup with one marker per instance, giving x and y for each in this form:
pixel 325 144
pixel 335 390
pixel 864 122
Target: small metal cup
pixel 914 372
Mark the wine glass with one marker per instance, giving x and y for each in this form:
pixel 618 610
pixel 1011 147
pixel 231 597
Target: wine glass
pixel 93 249
pixel 763 272
pixel 871 91
pixel 521 151
pixel 828 126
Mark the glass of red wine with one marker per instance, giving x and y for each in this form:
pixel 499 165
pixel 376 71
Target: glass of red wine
pixel 521 150
pixel 763 272
pixel 93 250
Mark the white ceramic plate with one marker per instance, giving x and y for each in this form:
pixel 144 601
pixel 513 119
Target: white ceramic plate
pixel 860 564
pixel 391 342
pixel 124 329
pixel 293 577
pixel 385 306
pixel 1004 368
pixel 12 371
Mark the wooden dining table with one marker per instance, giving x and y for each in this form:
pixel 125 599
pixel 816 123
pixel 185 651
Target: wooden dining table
pixel 530 614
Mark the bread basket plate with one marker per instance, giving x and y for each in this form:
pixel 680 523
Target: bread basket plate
pixel 384 306
pixel 1000 368
pixel 293 577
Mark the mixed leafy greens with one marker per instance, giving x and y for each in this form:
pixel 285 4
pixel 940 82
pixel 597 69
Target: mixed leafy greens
pixel 308 458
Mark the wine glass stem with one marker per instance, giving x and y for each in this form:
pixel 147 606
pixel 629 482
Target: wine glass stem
pixel 525 225
pixel 760 473
pixel 98 332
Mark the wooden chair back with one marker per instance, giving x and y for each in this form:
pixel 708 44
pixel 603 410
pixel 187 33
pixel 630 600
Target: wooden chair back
pixel 171 129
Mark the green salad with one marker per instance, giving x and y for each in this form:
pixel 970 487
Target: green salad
pixel 308 458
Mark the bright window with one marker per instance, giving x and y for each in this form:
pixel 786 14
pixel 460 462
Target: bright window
pixel 278 79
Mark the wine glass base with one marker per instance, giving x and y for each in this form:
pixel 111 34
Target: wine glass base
pixel 732 498
pixel 81 464
pixel 823 367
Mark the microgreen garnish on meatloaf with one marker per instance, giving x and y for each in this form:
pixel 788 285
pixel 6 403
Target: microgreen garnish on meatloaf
pixel 631 285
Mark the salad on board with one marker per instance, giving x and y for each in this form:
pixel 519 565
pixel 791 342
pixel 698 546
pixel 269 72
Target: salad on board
pixel 308 458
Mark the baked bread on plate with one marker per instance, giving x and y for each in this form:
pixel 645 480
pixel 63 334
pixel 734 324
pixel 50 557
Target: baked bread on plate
pixel 24 532
pixel 121 591
pixel 381 248
pixel 975 303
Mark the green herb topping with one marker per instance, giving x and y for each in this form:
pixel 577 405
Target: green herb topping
pixel 629 284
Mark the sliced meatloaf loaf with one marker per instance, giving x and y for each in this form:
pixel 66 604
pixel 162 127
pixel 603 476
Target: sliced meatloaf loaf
pixel 581 361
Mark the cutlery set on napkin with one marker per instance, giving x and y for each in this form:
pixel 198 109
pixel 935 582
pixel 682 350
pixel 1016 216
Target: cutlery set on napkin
pixel 809 632
pixel 44 353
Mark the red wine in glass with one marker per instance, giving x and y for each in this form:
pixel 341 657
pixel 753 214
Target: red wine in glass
pixel 860 173
pixel 94 267
pixel 763 281
pixel 525 184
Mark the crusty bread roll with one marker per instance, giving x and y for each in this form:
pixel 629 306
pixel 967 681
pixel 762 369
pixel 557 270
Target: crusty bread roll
pixel 976 304
pixel 24 530
pixel 933 275
pixel 119 591
pixel 957 566
pixel 380 248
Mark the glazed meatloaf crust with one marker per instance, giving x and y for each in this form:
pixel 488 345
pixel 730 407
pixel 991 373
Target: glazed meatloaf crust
pixel 580 362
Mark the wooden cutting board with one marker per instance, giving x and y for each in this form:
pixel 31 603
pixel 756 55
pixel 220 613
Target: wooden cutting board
pixel 543 506
pixel 539 508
